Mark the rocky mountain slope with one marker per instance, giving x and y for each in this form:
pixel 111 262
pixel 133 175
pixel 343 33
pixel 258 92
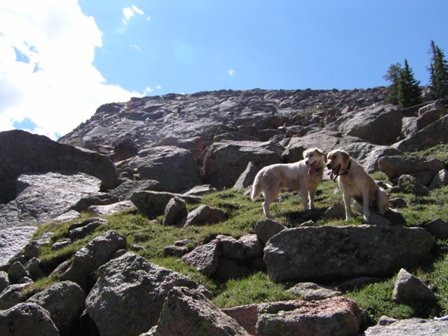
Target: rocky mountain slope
pixel 158 159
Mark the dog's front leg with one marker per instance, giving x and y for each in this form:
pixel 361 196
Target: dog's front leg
pixel 348 206
pixel 304 195
pixel 365 205
pixel 312 194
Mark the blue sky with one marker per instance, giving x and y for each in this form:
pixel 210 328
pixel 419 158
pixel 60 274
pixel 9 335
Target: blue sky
pixel 61 59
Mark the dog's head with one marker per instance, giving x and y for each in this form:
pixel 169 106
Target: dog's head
pixel 337 161
pixel 314 159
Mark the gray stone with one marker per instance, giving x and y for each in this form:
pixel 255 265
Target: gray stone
pixel 438 228
pixel 350 251
pixel 440 179
pixel 4 281
pixel 204 214
pixel 397 165
pixel 84 228
pixel 410 327
pixel 175 212
pixel 64 301
pixel 267 228
pixel 205 258
pixel 247 177
pixel 111 209
pixel 409 184
pixel 175 168
pixel 12 295
pixel 94 199
pixel 26 319
pixel 200 190
pixel 33 269
pixel 125 190
pixel 131 284
pixel 16 271
pixel 194 315
pixel 408 289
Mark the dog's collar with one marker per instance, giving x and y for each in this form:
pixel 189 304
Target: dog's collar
pixel 348 168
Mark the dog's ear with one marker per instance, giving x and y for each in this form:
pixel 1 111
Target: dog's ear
pixel 305 153
pixel 319 151
pixel 345 156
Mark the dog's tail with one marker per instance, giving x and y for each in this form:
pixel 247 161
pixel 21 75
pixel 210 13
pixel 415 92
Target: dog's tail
pixel 256 188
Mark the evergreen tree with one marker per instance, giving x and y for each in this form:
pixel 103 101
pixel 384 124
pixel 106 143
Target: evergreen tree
pixel 409 92
pixel 439 73
pixel 393 76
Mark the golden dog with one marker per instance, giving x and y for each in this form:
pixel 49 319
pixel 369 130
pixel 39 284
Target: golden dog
pixel 356 184
pixel 303 176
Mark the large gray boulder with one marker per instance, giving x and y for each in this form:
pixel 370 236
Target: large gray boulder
pixel 409 289
pixel 64 301
pixel 175 168
pixel 189 313
pixel 378 125
pixel 25 319
pixel 225 161
pixel 396 165
pixel 129 295
pixel 329 253
pixel 24 153
pixel 410 327
pixel 433 134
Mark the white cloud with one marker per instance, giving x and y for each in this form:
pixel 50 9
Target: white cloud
pixel 128 14
pixel 231 73
pixel 47 75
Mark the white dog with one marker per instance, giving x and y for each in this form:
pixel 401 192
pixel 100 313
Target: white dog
pixel 303 175
pixel 356 184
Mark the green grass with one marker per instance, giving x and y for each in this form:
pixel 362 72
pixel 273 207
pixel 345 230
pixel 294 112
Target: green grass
pixel 243 215
pixel 437 152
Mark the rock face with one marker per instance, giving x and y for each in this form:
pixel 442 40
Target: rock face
pixel 43 198
pixel 131 284
pixel 25 153
pixel 410 327
pixel 324 253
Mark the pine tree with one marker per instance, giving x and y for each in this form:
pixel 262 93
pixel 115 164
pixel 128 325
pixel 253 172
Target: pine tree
pixel 393 76
pixel 438 73
pixel 409 92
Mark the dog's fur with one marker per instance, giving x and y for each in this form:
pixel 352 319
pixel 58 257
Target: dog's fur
pixel 303 176
pixel 356 184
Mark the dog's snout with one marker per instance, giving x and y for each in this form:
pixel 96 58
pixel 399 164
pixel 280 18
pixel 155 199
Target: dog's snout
pixel 328 165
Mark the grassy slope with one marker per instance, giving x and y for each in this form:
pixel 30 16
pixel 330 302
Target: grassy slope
pixel 243 214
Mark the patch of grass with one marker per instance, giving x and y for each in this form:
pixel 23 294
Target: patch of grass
pixel 256 288
pixel 438 152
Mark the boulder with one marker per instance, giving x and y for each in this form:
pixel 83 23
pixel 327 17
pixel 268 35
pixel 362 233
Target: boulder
pixel 204 215
pixel 131 284
pixel 333 316
pixel 26 319
pixel 189 313
pixel 408 289
pixel 125 190
pixel 94 199
pixel 410 327
pixel 247 177
pixel 379 125
pixel 175 168
pixel 225 161
pixel 205 258
pixel 437 227
pixel 175 212
pixel 64 301
pixel 433 134
pixel 153 203
pixel 83 229
pixel 4 281
pixel 397 165
pixel 350 251
pixel 24 153
pixel 267 228
pixel 16 272
pixel 93 255
pixel 12 295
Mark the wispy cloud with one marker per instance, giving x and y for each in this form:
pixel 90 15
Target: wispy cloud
pixel 48 82
pixel 128 14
